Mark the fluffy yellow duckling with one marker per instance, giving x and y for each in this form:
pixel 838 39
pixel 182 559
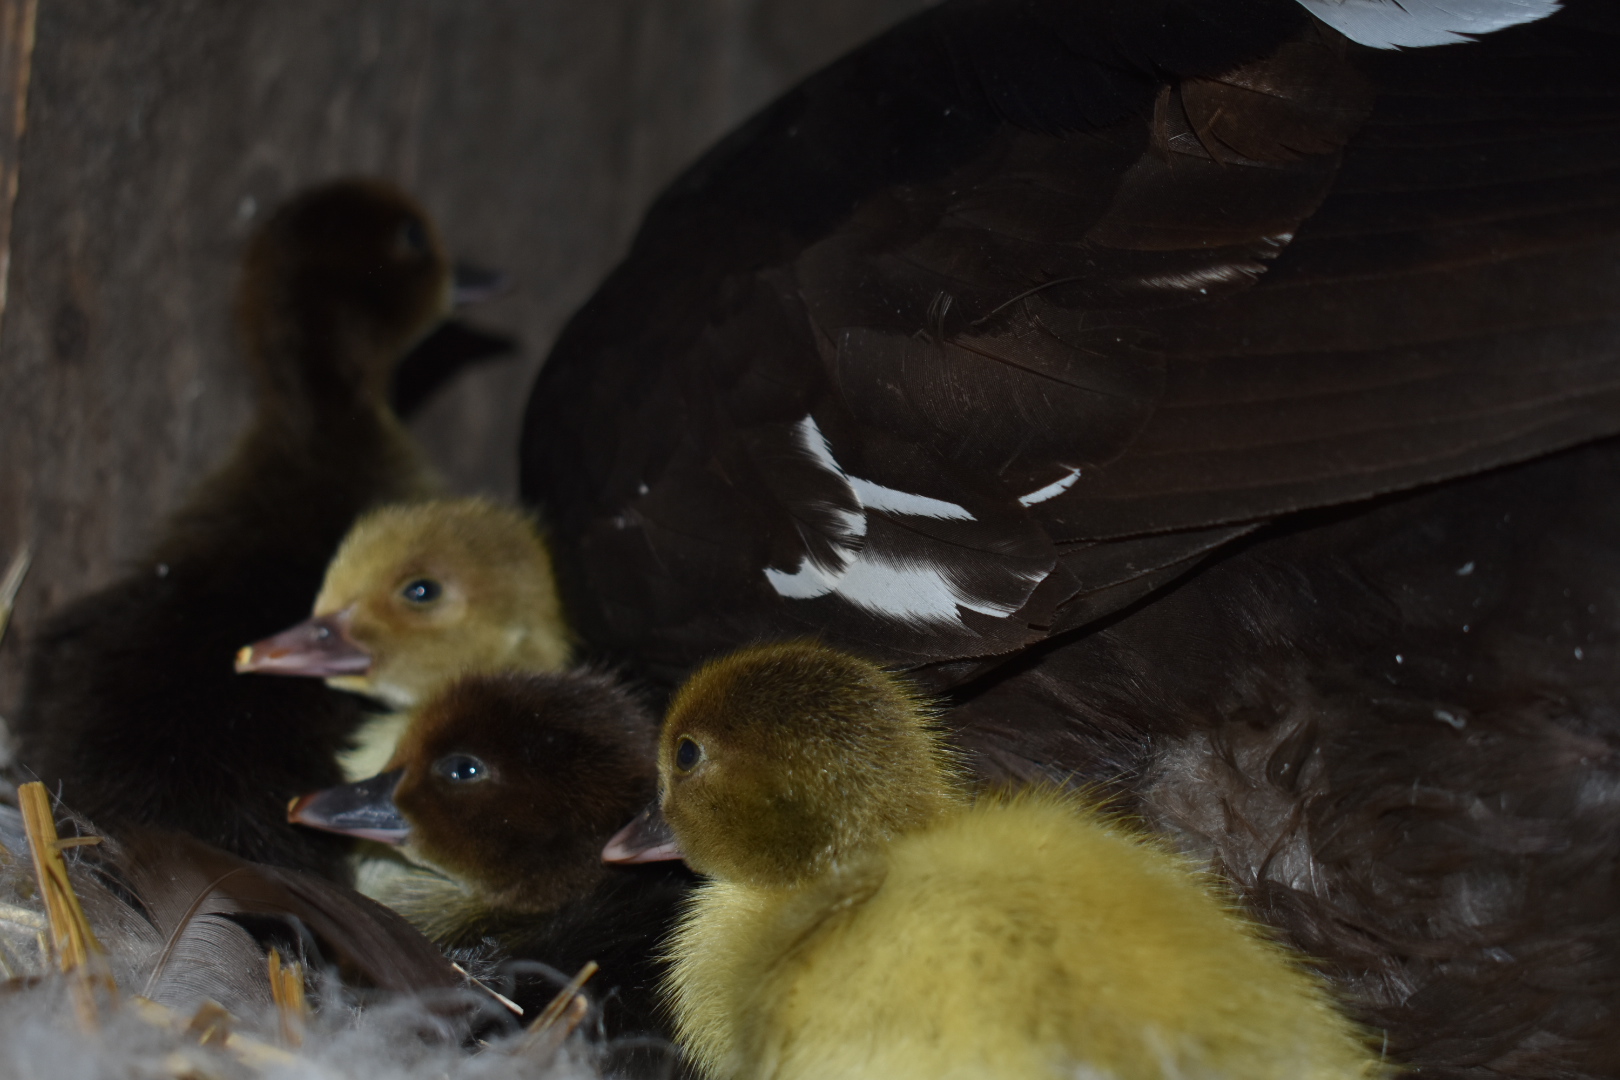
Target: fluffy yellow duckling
pixel 865 919
pixel 417 595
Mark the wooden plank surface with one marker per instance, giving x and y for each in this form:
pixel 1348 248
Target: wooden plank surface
pixel 536 131
pixel 17 19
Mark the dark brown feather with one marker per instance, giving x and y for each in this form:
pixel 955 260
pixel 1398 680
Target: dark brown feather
pixel 1323 342
pixel 180 882
pixel 1206 282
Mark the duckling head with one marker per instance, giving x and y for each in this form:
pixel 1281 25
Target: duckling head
pixel 509 783
pixel 339 283
pixel 420 593
pixel 778 761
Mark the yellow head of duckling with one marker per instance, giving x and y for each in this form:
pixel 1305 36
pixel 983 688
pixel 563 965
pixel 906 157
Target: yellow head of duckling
pixel 439 588
pixel 420 593
pixel 779 761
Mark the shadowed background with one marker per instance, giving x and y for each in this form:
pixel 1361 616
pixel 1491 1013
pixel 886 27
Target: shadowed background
pixel 158 133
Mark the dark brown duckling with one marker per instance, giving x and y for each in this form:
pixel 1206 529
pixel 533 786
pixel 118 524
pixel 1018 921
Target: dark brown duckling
pixel 131 700
pixel 509 785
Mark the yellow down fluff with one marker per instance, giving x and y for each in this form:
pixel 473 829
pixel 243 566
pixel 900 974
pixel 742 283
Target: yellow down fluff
pixel 1016 937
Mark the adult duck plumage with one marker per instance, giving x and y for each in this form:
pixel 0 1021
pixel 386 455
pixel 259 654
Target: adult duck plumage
pixel 1213 405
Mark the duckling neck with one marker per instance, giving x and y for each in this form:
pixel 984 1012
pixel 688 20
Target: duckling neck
pixel 318 365
pixel 532 894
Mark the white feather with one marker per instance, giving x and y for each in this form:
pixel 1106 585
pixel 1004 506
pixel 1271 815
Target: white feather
pixel 868 493
pixel 907 589
pixel 1390 24
pixel 894 501
pixel 1052 490
pixel 915 591
pixel 910 590
pixel 809 581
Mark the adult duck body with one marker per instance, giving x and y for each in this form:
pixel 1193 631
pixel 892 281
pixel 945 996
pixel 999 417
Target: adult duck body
pixel 1212 403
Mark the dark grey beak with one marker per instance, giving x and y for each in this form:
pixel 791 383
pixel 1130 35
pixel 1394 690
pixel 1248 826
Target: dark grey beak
pixel 474 285
pixel 365 809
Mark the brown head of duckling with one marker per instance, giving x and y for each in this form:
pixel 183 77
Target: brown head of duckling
pixel 421 593
pixel 511 783
pixel 779 761
pixel 337 285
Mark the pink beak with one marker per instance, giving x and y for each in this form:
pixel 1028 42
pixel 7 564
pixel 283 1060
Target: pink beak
pixel 646 839
pixel 317 648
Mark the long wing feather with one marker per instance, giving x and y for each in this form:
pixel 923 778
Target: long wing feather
pixel 1073 291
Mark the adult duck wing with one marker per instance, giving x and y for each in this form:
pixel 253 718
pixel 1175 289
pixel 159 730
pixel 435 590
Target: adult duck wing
pixel 1015 313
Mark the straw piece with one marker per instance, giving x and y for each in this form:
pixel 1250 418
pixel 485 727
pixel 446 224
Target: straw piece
pixel 76 841
pixel 74 944
pixel 287 990
pixel 558 1019
pixel 210 1025
pixel 10 584
pixel 247 1050
pixel 73 941
pixel 516 1009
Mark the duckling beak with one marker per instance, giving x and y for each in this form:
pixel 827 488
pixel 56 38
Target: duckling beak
pixel 473 284
pixel 365 809
pixel 320 647
pixel 646 839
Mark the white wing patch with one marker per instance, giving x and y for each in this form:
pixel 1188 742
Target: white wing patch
pixel 1052 490
pixel 874 496
pixel 878 497
pixel 908 589
pixel 915 591
pixel 1390 24
pixel 809 581
pixel 911 590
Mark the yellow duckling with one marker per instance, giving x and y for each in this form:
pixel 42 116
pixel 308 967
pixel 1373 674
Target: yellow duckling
pixel 866 919
pixel 417 595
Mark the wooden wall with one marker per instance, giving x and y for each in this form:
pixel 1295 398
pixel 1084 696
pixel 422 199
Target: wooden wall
pixel 159 130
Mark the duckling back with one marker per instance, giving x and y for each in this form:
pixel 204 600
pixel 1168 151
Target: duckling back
pixel 1024 937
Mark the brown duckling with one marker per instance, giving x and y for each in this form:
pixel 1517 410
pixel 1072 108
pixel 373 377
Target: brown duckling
pixel 417 595
pixel 131 701
pixel 867 920
pixel 509 785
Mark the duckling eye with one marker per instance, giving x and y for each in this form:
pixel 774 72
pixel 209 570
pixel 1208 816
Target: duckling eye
pixel 687 754
pixel 461 769
pixel 412 239
pixel 422 591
